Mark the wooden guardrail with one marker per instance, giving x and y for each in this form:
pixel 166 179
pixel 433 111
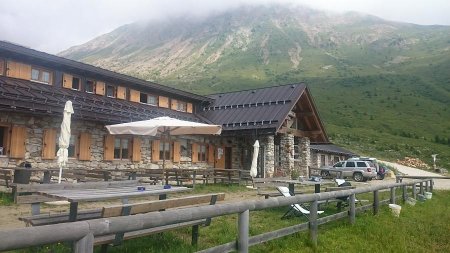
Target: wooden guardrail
pixel 82 233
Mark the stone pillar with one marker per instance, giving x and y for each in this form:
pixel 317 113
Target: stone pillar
pixel 304 158
pixel 286 154
pixel 269 156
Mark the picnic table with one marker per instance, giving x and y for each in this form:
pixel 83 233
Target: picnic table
pixel 293 182
pixel 74 196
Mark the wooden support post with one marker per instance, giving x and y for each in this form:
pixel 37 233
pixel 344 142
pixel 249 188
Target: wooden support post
pixel 313 226
pixel 414 191
pixel 194 241
pixel 431 185
pixel 426 186
pixel 404 193
pixel 352 211
pixel 421 188
pixel 243 226
pixel 292 189
pixel 392 199
pixel 84 245
pixel 376 202
pixel 73 212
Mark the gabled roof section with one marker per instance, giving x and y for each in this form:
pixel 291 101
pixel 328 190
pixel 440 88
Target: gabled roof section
pixel 264 108
pixel 25 53
pixel 39 99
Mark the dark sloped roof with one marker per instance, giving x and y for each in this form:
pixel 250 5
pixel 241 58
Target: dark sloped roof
pixel 263 108
pixel 29 97
pixel 75 66
pixel 331 148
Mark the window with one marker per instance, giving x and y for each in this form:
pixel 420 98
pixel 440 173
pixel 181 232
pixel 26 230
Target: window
pixel 121 148
pixel 338 165
pixel 296 152
pixel 3 139
pixel 350 164
pixel 361 164
pixel 110 91
pixel 336 159
pixel 40 75
pixel 322 160
pixel 201 153
pixel 90 86
pixel 181 106
pixel 72 148
pixel 164 150
pixel 148 99
pixel 76 83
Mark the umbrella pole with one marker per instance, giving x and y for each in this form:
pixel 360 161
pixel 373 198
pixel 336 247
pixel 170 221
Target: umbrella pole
pixel 60 174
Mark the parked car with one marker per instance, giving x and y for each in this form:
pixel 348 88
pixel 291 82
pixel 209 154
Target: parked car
pixel 359 170
pixel 380 168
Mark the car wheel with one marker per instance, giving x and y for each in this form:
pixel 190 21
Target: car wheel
pixel 358 177
pixel 381 177
pixel 325 173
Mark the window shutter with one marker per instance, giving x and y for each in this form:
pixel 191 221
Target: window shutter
pixel 163 102
pixel 173 104
pixel 49 144
pixel 67 81
pixel 18 137
pixel 155 150
pixel 108 154
pixel 194 152
pixel 136 157
pixel 84 147
pixel 121 92
pixel 211 154
pixel 99 88
pixel 19 70
pixel 189 107
pixel 176 151
pixel 135 96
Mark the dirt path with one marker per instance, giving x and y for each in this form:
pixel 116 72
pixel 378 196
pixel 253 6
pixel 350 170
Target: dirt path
pixel 441 184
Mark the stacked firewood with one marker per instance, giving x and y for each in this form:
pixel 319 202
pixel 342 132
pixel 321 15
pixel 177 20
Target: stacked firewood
pixel 413 162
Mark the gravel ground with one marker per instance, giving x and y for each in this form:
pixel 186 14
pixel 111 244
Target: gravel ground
pixel 440 184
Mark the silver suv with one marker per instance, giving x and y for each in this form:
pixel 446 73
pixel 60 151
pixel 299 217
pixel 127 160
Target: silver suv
pixel 359 170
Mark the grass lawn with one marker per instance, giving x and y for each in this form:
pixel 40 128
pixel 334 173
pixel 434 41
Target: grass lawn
pixel 422 228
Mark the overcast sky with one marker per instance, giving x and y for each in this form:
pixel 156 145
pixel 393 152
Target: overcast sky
pixel 55 25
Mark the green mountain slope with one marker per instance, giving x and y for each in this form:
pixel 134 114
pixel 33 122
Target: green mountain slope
pixel 383 88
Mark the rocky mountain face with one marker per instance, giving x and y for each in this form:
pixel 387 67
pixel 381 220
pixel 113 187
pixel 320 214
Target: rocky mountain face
pixel 370 77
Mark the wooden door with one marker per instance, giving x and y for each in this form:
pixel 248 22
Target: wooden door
pixel 220 157
pixel 228 158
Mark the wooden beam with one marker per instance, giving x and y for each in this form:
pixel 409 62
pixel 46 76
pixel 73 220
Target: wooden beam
pixel 299 133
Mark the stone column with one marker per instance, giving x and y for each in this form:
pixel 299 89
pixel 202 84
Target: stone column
pixel 305 153
pixel 286 157
pixel 269 156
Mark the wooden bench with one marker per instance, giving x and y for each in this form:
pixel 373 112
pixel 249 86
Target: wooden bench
pixel 267 186
pixel 340 201
pixel 6 177
pixel 152 206
pixel 27 193
pixel 84 175
pixel 226 176
pixel 152 176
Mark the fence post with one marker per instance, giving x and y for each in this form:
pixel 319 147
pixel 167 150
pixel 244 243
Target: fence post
pixel 392 200
pixel 313 222
pixel 243 226
pixel 85 244
pixel 352 211
pixel 376 202
pixel 404 193
pixel 414 191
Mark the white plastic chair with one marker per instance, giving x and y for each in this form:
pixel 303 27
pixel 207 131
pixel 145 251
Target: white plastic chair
pixel 294 207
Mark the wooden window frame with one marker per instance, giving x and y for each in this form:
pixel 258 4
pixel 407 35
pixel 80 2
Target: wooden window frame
pixel 181 106
pixel 40 75
pixel 75 136
pixel 147 98
pixel 108 86
pixel 79 83
pixel 130 151
pixel 93 86
pixel 202 156
pixel 168 150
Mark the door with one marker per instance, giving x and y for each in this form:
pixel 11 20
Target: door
pixel 220 157
pixel 228 158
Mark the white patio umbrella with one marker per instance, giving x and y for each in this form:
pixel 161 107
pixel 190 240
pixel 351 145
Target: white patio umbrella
pixel 164 126
pixel 64 138
pixel 253 168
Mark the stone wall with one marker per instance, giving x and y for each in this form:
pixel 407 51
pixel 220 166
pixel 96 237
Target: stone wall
pixel 304 156
pixel 286 153
pixel 269 156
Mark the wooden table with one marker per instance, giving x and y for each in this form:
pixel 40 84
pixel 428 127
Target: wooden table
pixel 292 182
pixel 74 196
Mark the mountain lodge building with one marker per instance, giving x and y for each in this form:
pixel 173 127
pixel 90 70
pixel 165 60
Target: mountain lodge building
pixel 34 87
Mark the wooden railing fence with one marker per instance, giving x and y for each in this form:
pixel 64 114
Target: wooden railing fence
pixel 82 233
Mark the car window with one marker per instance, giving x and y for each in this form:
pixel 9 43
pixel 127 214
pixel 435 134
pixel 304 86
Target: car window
pixel 371 164
pixel 350 164
pixel 361 164
pixel 338 165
